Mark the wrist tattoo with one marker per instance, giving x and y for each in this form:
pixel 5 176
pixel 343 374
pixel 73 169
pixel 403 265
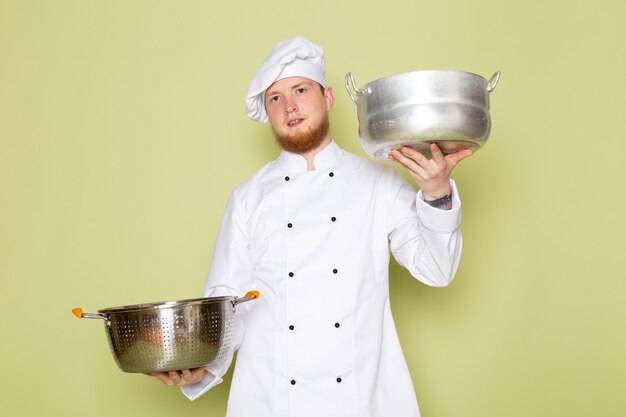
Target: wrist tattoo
pixel 444 203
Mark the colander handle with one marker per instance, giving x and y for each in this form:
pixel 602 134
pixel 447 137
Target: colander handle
pixel 250 295
pixel 78 312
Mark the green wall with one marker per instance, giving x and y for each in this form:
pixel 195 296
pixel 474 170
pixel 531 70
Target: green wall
pixel 122 133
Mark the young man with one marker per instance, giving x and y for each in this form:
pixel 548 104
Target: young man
pixel 313 231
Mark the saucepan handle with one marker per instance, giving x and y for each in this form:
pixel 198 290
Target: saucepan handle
pixel 493 81
pixel 350 82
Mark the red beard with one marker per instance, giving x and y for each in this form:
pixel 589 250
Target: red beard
pixel 303 142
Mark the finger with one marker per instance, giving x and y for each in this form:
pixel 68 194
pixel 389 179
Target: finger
pixel 432 167
pixel 163 377
pixel 198 371
pixel 409 163
pixel 416 156
pixel 175 377
pixel 455 158
pixel 436 152
pixel 411 166
pixel 197 374
pixel 186 375
pixel 426 168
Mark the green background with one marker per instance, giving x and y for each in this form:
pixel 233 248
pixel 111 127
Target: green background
pixel 122 133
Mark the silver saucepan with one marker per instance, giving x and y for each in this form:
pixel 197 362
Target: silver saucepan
pixel 171 335
pixel 414 109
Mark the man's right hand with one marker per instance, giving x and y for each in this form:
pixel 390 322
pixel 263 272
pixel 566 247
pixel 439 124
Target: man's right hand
pixel 180 378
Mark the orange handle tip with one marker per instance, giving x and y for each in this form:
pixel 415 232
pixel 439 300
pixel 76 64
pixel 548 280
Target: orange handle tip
pixel 252 294
pixel 78 312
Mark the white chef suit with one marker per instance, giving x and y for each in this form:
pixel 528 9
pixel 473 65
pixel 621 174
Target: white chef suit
pixel 321 341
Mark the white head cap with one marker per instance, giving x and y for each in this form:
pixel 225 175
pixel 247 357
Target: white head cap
pixel 293 57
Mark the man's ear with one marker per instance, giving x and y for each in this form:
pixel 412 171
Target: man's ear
pixel 329 95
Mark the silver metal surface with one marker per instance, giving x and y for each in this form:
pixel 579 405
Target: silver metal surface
pixel 172 335
pixel 414 109
pixel 493 81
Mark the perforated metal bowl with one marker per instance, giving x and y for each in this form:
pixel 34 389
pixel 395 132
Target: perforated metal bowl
pixel 170 335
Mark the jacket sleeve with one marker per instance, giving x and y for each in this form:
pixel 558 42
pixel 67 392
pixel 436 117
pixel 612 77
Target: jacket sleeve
pixel 231 274
pixel 425 240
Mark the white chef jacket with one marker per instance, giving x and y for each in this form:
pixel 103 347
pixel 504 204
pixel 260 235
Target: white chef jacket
pixel 321 341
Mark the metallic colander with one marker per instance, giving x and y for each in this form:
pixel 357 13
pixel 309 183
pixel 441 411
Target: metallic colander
pixel 170 335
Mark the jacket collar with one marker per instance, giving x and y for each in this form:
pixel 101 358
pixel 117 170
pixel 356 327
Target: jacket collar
pixel 324 159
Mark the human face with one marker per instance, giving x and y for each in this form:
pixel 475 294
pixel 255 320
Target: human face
pixel 298 109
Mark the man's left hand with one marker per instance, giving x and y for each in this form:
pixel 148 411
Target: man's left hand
pixel 180 378
pixel 431 175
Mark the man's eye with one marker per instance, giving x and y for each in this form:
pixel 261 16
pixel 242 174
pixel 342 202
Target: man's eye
pixel 274 98
pixel 300 90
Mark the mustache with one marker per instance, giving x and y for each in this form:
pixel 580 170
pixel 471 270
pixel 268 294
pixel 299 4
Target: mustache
pixel 302 142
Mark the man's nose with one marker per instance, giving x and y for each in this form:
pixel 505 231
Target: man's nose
pixel 290 107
